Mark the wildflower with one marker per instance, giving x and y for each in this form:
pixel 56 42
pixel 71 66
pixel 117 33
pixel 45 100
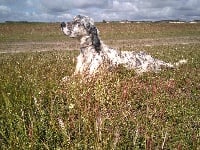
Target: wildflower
pixel 71 106
pixel 61 123
pixel 35 101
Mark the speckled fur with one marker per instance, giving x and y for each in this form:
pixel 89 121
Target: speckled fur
pixel 94 54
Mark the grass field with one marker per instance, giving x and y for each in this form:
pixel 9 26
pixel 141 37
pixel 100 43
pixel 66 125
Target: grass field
pixel 115 110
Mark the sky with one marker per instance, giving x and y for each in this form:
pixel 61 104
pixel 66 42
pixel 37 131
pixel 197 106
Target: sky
pixel 99 10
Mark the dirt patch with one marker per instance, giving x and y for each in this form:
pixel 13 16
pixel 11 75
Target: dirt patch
pixel 15 47
pixel 138 43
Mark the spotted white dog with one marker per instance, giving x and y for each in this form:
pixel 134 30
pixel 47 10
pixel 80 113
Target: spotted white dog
pixel 94 54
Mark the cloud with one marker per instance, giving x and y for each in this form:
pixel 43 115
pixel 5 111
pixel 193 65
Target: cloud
pixel 155 9
pixel 60 10
pixel 4 10
pixel 65 5
pixel 123 6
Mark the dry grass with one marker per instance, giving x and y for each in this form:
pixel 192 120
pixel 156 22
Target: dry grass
pixel 114 110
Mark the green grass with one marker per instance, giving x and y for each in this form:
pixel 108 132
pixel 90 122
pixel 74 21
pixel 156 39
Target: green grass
pixel 147 30
pixel 23 32
pixel 114 110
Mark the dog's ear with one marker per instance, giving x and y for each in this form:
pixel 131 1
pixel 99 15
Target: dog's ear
pixel 91 29
pixel 95 38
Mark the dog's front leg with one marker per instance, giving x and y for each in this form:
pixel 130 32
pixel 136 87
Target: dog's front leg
pixel 79 64
pixel 83 63
pixel 79 68
pixel 95 64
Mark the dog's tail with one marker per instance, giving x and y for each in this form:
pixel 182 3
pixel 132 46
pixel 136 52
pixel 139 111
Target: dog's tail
pixel 180 62
pixel 174 65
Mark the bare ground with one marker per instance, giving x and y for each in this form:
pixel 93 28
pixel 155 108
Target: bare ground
pixel 131 44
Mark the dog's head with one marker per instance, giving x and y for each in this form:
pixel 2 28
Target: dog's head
pixel 82 26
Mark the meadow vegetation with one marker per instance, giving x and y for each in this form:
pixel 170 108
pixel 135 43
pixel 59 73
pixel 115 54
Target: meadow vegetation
pixel 113 110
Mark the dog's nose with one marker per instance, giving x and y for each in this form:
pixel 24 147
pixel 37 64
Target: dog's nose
pixel 63 25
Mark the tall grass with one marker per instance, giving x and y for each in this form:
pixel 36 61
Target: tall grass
pixel 114 110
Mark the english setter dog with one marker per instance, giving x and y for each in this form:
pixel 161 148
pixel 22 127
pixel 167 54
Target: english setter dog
pixel 94 54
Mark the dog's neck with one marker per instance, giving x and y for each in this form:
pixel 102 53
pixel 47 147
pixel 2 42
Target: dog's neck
pixel 85 42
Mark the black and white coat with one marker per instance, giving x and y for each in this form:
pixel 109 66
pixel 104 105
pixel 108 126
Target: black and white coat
pixel 94 54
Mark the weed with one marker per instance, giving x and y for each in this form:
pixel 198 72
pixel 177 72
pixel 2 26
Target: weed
pixel 114 110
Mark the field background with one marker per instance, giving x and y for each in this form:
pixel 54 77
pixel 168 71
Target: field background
pixel 115 110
